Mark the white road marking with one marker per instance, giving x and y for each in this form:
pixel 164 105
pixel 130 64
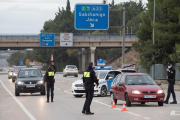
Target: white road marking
pixel 173 112
pixel 146 118
pixel 66 91
pixel 120 109
pixel 20 104
pixel 57 88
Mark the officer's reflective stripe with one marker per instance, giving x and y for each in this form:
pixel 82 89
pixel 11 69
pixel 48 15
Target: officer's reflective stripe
pixel 50 73
pixel 169 71
pixel 86 74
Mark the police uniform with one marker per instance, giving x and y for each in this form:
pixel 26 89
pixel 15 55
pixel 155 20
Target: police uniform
pixel 89 78
pixel 49 78
pixel 171 80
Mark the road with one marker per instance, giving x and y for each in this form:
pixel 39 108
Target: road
pixel 67 107
pixel 2 63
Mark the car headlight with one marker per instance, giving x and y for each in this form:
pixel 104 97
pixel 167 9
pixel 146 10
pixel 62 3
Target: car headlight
pixel 20 83
pixel 40 82
pixel 160 92
pixel 73 84
pixel 136 92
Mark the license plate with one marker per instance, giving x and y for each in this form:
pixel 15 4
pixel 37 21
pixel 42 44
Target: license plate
pixel 30 86
pixel 149 96
pixel 80 88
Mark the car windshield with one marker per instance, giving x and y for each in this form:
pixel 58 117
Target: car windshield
pixel 139 80
pixel 101 74
pixel 29 73
pixel 71 67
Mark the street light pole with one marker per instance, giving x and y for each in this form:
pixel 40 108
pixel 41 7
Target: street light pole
pixel 123 36
pixel 153 39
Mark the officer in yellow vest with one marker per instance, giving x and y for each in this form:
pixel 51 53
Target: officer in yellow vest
pixel 49 78
pixel 89 78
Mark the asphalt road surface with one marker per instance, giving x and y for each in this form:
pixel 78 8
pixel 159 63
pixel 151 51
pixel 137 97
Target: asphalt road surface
pixel 67 107
pixel 2 63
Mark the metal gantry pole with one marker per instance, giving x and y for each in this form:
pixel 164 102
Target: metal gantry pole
pixel 123 36
pixel 153 72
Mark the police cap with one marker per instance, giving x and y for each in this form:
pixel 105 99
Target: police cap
pixel 91 64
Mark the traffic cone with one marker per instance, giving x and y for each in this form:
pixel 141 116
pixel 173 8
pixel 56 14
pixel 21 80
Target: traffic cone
pixel 113 105
pixel 124 107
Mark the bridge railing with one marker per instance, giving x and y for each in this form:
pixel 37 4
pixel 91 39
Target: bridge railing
pixel 75 35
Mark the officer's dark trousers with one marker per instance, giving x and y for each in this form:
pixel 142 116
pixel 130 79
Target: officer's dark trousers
pixel 171 90
pixel 89 97
pixel 50 85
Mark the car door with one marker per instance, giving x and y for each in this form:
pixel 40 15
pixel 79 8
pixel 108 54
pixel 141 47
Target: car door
pixel 120 88
pixel 109 81
pixel 115 85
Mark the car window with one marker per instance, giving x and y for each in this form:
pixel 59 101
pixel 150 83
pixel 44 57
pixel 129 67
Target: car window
pixel 117 79
pixel 122 80
pixel 27 73
pixel 71 67
pixel 117 73
pixel 101 74
pixel 139 80
pixel 110 74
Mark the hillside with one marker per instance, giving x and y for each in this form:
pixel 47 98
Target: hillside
pixel 131 57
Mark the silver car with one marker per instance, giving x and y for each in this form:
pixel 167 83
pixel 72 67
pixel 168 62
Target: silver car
pixel 70 70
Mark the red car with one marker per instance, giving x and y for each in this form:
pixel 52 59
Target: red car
pixel 136 87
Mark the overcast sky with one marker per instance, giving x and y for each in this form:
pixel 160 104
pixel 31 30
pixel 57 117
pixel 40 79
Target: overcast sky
pixel 28 16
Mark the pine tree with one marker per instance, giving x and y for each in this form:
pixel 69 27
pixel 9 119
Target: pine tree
pixel 104 1
pixel 68 10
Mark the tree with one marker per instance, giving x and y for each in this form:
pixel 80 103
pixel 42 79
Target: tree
pixel 167 29
pixel 104 1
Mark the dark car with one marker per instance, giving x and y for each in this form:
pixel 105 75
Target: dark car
pixel 15 72
pixel 136 87
pixel 29 80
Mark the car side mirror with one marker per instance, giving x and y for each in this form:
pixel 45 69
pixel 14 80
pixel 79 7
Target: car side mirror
pixel 110 78
pixel 159 84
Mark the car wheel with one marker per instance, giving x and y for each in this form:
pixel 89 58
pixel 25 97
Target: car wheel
pixel 78 95
pixel 128 103
pixel 103 91
pixel 64 76
pixel 43 93
pixel 112 98
pixel 13 80
pixel 8 77
pixel 16 93
pixel 143 103
pixel 76 76
pixel 160 103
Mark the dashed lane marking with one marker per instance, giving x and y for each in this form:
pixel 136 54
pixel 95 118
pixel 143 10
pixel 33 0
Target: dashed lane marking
pixel 146 118
pixel 20 104
pixel 57 88
pixel 66 91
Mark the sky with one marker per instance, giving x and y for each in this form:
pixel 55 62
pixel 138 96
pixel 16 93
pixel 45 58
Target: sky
pixel 28 16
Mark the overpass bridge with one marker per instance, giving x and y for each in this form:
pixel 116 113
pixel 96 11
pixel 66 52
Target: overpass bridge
pixel 85 43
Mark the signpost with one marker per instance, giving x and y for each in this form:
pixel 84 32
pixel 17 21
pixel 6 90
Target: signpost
pixel 129 66
pixel 91 16
pixel 101 62
pixel 21 63
pixel 47 40
pixel 66 39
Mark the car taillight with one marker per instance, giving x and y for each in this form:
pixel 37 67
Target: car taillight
pixel 67 69
pixel 75 69
pixel 15 70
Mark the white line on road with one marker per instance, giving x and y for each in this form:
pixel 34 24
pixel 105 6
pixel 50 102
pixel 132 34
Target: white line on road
pixel 173 112
pixel 66 91
pixel 57 88
pixel 20 104
pixel 146 118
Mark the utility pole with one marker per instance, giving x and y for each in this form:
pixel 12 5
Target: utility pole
pixel 153 41
pixel 123 36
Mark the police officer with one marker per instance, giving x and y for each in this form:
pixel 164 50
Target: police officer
pixel 171 80
pixel 49 78
pixel 89 78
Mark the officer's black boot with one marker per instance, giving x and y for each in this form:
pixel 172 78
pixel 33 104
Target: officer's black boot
pixel 47 101
pixel 166 102
pixel 52 100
